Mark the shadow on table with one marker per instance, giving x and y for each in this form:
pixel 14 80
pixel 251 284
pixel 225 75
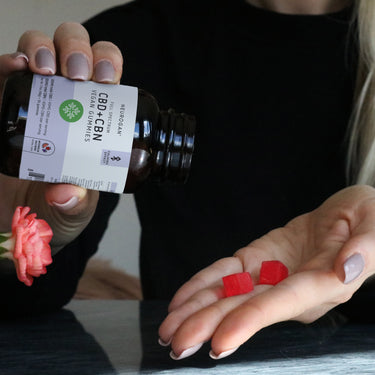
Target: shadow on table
pixel 50 344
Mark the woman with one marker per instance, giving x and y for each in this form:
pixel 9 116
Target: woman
pixel 272 86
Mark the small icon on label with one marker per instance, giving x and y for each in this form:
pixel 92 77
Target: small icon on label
pixel 38 146
pixel 71 110
pixel 46 147
pixel 115 158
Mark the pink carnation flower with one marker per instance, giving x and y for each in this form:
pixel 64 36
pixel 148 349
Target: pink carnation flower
pixel 27 245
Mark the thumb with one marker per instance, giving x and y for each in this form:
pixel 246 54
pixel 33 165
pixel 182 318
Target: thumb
pixel 356 259
pixel 68 199
pixel 71 209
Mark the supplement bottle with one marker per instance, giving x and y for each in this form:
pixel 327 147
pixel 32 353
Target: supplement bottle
pixel 103 137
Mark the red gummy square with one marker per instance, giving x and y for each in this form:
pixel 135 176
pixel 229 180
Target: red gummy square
pixel 237 283
pixel 272 272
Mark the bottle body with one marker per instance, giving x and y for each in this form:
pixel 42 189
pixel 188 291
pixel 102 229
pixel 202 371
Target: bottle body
pixel 159 144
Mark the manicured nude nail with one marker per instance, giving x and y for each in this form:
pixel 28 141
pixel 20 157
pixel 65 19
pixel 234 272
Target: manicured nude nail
pixel 104 71
pixel 20 55
pixel 78 66
pixel 186 353
pixel 69 204
pixel 164 343
pixel 353 267
pixel 222 354
pixel 45 60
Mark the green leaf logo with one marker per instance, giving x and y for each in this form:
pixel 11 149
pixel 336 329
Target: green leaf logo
pixel 71 110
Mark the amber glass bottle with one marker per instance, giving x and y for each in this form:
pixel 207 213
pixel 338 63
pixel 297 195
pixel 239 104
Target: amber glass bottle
pixel 161 147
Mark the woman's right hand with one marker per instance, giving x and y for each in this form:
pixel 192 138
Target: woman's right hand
pixel 67 208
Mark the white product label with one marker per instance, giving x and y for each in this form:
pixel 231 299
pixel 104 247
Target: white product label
pixel 79 133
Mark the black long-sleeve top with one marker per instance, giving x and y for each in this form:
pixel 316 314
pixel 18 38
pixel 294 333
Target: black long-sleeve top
pixel 272 94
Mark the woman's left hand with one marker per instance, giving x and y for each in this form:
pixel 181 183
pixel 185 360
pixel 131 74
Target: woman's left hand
pixel 329 253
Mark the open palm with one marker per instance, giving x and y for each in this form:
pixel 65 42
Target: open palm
pixel 328 254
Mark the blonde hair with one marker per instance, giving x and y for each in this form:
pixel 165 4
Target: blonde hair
pixel 361 152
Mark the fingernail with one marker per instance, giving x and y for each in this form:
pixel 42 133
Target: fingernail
pixel 186 353
pixel 21 55
pixel 45 60
pixel 69 204
pixel 353 267
pixel 104 71
pixel 164 343
pixel 78 66
pixel 222 354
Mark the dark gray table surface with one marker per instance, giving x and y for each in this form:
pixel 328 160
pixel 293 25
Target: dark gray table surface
pixel 120 337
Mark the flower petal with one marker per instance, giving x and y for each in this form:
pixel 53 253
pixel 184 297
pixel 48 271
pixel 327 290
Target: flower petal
pixel 32 252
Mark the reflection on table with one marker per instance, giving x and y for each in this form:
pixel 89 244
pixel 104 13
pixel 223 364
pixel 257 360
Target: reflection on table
pixel 120 337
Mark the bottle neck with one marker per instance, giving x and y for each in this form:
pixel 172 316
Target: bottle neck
pixel 173 146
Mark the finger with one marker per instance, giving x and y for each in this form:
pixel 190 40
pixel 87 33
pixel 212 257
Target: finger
pixel 317 312
pixel 13 62
pixel 356 259
pixel 73 47
pixel 71 208
pixel 286 301
pixel 200 327
pixel 232 321
pixel 107 62
pixel 198 301
pixel 247 259
pixel 71 200
pixel 40 51
pixel 201 290
pixel 204 279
